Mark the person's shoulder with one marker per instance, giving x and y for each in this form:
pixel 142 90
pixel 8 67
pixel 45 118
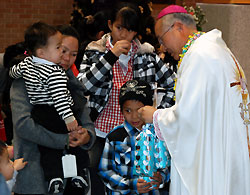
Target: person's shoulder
pixel 99 45
pixel 18 84
pixel 18 90
pixel 210 45
pixel 119 133
pixel 144 48
pixel 52 69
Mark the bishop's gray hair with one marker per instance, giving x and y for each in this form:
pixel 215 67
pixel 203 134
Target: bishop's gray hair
pixel 184 18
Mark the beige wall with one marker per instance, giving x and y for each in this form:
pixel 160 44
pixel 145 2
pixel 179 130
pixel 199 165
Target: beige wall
pixel 234 22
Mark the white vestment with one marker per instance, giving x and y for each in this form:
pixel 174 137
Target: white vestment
pixel 205 130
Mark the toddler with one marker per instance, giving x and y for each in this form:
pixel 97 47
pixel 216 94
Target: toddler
pixel 8 169
pixel 46 80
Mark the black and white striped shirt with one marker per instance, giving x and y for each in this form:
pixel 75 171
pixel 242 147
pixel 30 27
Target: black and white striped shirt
pixel 46 83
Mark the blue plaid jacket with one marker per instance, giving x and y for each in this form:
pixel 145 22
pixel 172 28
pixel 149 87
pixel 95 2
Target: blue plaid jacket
pixel 117 161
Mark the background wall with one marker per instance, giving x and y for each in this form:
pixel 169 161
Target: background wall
pixel 17 15
pixel 233 21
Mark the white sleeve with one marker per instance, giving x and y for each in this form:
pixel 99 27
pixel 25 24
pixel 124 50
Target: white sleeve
pixel 12 181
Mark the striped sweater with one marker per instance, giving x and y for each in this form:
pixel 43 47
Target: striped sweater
pixel 46 83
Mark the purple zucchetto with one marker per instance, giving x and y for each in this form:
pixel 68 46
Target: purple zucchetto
pixel 170 10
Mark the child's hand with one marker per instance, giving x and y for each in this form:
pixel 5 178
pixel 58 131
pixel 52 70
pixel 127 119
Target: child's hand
pixel 121 47
pixel 143 186
pixel 72 126
pixel 19 164
pixel 157 179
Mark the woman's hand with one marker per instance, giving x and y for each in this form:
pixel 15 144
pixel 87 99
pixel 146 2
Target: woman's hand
pixel 121 47
pixel 79 137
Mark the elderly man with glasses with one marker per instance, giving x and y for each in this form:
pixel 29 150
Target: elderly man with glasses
pixel 207 130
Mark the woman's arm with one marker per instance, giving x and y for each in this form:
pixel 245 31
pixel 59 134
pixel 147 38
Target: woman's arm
pixel 77 91
pixel 89 125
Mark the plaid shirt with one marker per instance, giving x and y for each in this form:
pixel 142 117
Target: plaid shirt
pixel 96 72
pixel 117 161
pixel 111 115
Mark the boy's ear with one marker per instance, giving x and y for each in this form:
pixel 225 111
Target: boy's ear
pixel 110 25
pixel 39 52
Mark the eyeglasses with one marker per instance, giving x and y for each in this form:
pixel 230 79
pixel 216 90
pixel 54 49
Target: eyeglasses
pixel 161 37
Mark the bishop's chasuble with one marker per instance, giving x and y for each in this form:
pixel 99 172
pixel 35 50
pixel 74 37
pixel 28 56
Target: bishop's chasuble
pixel 206 131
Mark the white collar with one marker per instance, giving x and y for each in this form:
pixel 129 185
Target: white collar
pixel 41 61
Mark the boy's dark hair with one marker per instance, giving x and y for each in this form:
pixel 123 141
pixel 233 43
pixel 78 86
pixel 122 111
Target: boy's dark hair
pixel 37 36
pixel 14 54
pixel 68 31
pixel 88 28
pixel 129 13
pixel 3 148
pixel 136 90
pixel 97 23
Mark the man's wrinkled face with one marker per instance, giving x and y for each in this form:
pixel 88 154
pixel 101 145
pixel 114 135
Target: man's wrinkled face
pixel 168 36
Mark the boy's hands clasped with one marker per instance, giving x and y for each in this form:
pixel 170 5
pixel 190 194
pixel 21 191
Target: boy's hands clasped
pixel 157 180
pixel 145 187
